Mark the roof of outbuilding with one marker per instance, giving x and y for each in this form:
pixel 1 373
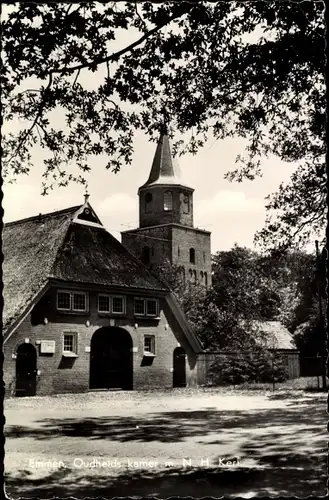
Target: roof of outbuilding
pixel 277 336
pixel 54 246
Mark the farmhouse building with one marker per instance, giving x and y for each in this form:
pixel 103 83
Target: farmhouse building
pixel 166 232
pixel 81 312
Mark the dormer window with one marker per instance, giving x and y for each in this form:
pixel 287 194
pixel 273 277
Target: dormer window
pixel 148 202
pixel 167 203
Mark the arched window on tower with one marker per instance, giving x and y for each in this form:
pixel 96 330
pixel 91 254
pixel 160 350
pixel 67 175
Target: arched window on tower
pixel 191 274
pixel 205 279
pixel 186 203
pixel 194 276
pixel 145 257
pixel 183 273
pixel 192 255
pixel 148 202
pixel 167 201
pixel 201 276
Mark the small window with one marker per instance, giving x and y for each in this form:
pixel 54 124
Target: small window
pixel 204 256
pixel 167 205
pixel 139 307
pixel 194 276
pixel 149 344
pixel 103 303
pixel 64 301
pixel 71 301
pixel 151 307
pixel 79 302
pixel 190 273
pixel 192 255
pixel 118 305
pixel 70 343
pixel 205 278
pixel 201 276
pixel 186 204
pixel 183 273
pixel 178 252
pixel 148 202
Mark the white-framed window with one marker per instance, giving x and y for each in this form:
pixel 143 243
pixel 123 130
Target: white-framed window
pixel 139 306
pixel 118 304
pixel 79 302
pixel 104 303
pixel 167 201
pixel 149 344
pixel 114 304
pixel 64 301
pixel 146 307
pixel 70 342
pixel 151 307
pixel 72 301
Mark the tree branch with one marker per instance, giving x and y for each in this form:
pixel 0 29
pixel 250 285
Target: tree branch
pixel 116 55
pixel 28 132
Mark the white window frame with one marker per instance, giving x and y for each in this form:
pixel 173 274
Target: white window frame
pixel 152 338
pixel 123 304
pixel 139 314
pixel 72 293
pixel 86 303
pixel 104 295
pixel 75 342
pixel 64 308
pixel 156 308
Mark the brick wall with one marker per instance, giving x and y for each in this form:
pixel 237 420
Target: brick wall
pixel 59 375
pixel 183 239
pixel 155 214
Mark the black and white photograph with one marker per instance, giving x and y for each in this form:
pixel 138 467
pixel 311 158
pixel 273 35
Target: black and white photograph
pixel 164 250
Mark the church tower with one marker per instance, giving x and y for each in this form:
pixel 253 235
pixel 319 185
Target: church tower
pixel 166 231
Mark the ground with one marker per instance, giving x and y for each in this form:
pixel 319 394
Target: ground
pixel 196 443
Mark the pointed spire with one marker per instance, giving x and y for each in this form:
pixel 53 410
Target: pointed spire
pixel 164 170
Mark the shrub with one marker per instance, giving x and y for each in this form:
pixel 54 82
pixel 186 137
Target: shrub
pixel 260 366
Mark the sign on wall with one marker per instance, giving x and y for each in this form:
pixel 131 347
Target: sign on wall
pixel 47 347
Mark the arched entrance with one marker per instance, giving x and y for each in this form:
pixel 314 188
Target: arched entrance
pixel 111 364
pixel 26 370
pixel 179 364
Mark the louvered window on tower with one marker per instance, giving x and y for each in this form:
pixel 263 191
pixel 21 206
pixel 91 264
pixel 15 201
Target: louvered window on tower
pixel 167 201
pixel 148 202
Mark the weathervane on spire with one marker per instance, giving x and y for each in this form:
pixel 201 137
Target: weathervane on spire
pixel 86 195
pixel 165 121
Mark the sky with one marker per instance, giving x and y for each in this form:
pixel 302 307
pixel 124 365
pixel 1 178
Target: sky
pixel 233 212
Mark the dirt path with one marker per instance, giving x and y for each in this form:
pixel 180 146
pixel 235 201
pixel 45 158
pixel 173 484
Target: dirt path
pixel 162 444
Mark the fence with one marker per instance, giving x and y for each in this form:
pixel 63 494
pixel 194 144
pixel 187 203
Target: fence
pixel 289 358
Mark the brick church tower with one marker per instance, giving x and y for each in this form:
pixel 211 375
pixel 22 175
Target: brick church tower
pixel 166 231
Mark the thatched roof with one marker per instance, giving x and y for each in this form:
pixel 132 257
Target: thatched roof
pixel 276 335
pixel 53 246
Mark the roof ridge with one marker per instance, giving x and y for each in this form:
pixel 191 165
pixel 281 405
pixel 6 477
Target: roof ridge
pixel 41 216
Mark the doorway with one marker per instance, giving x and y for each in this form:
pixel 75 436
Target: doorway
pixel 111 365
pixel 26 370
pixel 179 365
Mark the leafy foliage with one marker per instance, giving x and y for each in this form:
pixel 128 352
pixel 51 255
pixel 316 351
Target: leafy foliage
pixel 249 69
pixel 259 365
